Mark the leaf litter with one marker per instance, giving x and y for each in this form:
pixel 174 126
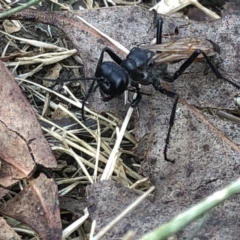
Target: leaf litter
pixel 153 157
pixel 67 139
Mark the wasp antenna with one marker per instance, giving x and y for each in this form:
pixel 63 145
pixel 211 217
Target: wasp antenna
pixel 86 97
pixel 67 79
pixel 231 81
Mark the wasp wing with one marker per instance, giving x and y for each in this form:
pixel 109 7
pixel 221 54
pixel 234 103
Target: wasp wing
pixel 181 49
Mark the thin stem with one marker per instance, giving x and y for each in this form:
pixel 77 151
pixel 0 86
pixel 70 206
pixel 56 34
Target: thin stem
pixel 18 9
pixel 183 219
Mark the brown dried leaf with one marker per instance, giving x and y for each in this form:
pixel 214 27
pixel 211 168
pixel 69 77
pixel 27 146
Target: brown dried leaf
pixel 7 232
pixel 59 113
pixel 11 26
pixel 21 137
pixel 53 73
pixel 38 207
pixel 17 160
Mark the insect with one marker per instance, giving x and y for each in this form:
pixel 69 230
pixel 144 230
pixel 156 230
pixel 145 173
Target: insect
pixel 148 66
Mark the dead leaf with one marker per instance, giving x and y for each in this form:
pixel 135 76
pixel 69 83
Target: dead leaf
pixel 23 144
pixel 11 26
pixel 53 73
pixel 17 160
pixel 7 232
pixel 37 206
pixel 59 113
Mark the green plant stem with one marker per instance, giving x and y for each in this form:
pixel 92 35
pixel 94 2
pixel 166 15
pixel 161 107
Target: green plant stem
pixel 194 212
pixel 18 9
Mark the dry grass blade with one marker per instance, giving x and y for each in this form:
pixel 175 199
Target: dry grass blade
pixel 44 59
pixel 170 7
pixel 36 43
pixel 127 3
pixel 113 156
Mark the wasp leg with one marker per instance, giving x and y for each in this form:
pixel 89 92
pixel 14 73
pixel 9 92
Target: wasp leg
pixel 216 72
pixel 159 31
pixel 158 22
pixel 172 118
pixel 143 93
pixel 138 98
pixel 112 54
pixel 191 59
pixel 171 123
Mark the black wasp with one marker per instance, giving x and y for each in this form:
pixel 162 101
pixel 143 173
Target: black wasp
pixel 140 67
